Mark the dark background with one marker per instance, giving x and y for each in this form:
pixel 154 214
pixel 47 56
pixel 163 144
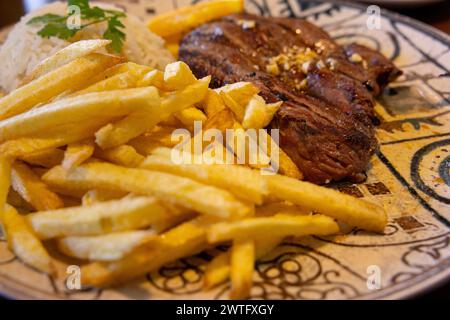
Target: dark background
pixel 437 15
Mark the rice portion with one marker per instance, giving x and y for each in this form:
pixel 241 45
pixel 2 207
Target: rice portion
pixel 24 48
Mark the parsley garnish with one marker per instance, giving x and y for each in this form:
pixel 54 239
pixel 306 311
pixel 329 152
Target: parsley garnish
pixel 56 25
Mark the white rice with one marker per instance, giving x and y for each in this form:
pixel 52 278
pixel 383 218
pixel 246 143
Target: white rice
pixel 24 48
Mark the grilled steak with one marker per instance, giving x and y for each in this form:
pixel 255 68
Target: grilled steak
pixel 327 119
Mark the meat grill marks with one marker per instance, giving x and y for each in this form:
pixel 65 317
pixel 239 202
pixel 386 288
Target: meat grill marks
pixel 327 123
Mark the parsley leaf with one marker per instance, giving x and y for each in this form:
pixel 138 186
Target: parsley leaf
pixel 113 33
pixel 47 18
pixel 58 30
pixel 56 25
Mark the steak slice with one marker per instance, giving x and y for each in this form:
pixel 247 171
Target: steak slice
pixel 327 121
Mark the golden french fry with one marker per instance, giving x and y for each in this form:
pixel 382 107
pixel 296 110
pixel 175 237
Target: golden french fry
pixel 48 158
pixel 154 78
pixel 221 120
pixel 24 243
pixel 108 247
pixel 345 208
pixel 97 195
pixel 5 182
pixel 189 116
pixel 218 270
pixel 137 123
pixel 178 75
pixel 119 81
pixel 167 223
pixel 77 153
pixel 77 109
pixel 185 192
pixel 71 52
pixel 243 182
pixel 32 189
pixel 187 18
pixel 242 265
pixel 104 217
pixel 277 226
pixel 285 164
pixel 184 240
pixel 238 109
pixel 124 155
pixel 275 208
pixel 213 104
pixel 240 92
pixel 258 114
pixel 189 96
pixel 54 83
pixel 51 139
pixel 145 144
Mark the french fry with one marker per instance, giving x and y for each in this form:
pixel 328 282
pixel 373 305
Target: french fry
pixel 275 208
pixel 154 78
pixel 54 83
pixel 258 114
pixel 77 109
pixel 24 243
pixel 5 182
pixel 233 105
pixel 124 155
pixel 137 123
pixel 97 195
pixel 244 183
pixel 187 18
pixel 345 208
pixel 175 219
pixel 184 240
pixel 108 247
pixel 71 52
pixel 51 139
pixel 32 189
pixel 185 192
pixel 189 96
pixel 285 164
pixel 178 75
pixel 145 144
pixel 277 226
pixel 218 270
pixel 189 116
pixel 77 153
pixel 104 217
pixel 242 265
pixel 221 120
pixel 240 92
pixel 119 81
pixel 213 103
pixel 48 158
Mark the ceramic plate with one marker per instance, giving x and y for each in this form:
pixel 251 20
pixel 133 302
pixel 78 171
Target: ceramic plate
pixel 409 176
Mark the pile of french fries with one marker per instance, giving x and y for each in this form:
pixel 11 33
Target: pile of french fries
pixel 86 164
pixel 174 25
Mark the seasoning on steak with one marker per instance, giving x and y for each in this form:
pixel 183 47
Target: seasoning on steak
pixel 327 119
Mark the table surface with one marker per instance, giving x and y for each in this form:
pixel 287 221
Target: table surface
pixel 436 15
